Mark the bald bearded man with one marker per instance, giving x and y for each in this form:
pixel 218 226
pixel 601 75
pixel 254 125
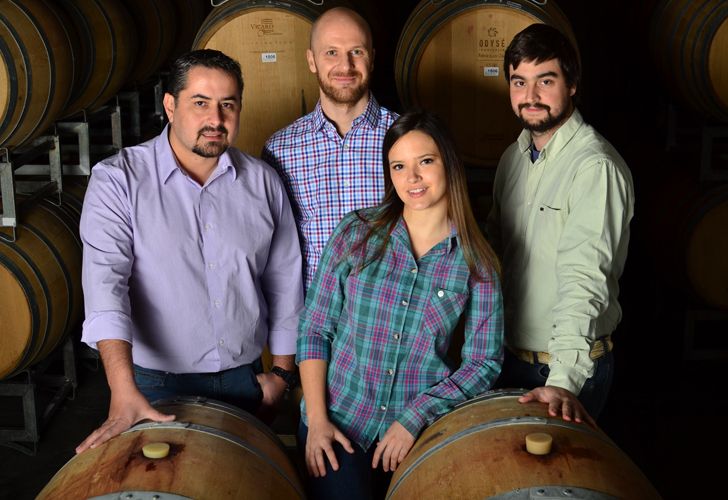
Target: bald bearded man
pixel 330 160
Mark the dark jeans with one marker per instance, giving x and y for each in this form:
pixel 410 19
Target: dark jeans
pixel 519 374
pixel 355 479
pixel 236 386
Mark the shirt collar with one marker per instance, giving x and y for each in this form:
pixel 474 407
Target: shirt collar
pixel 167 161
pixel 400 232
pixel 370 115
pixel 557 142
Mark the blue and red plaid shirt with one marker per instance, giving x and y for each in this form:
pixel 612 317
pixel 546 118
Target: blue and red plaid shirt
pixel 385 331
pixel 326 175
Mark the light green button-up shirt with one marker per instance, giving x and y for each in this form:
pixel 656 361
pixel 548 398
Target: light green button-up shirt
pixel 561 226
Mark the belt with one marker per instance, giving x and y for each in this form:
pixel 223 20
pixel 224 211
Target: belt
pixel 599 348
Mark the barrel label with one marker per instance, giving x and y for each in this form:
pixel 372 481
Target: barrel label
pixel 264 28
pixel 492 45
pixel 268 57
pixel 491 71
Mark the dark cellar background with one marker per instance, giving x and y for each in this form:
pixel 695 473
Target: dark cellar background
pixel 666 409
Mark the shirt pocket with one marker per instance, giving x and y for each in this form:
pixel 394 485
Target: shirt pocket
pixel 548 226
pixel 443 311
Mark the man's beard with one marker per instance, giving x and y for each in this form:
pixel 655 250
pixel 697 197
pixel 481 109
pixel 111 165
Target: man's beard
pixel 547 123
pixel 348 95
pixel 211 149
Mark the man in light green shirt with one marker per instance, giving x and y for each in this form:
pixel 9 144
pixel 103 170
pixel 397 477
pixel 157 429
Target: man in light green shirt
pixel 562 202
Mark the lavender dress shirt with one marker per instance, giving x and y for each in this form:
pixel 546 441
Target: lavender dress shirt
pixel 196 278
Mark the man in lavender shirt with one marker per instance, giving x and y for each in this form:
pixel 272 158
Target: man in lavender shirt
pixel 191 259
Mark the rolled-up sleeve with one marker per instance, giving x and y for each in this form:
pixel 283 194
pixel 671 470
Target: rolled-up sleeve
pixel 107 236
pixel 325 297
pixel 481 354
pixel 282 280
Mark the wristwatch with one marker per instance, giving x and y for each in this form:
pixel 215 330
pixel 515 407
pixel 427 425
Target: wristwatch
pixel 289 377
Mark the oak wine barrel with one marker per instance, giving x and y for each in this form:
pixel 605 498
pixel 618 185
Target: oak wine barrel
pixel 478 451
pixel 105 47
pixel 157 30
pixel 686 223
pixel 216 452
pixel 36 69
pixel 269 39
pixel 40 282
pixel 189 15
pixel 689 40
pixel 707 246
pixel 449 59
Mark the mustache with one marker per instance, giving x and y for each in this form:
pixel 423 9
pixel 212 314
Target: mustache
pixel 219 128
pixel 345 74
pixel 533 105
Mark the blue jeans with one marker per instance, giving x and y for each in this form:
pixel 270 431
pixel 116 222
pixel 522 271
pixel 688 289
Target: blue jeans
pixel 519 374
pixel 236 386
pixel 355 479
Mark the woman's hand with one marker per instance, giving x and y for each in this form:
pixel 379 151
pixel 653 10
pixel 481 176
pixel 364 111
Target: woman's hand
pixel 393 447
pixel 321 436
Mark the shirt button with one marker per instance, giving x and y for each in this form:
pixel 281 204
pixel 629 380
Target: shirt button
pixel 396 336
pixel 208 227
pixel 390 372
pixel 347 183
pixel 221 342
pixel 440 293
pixel 383 407
pixel 211 265
pixel 413 270
pixel 404 302
pixel 217 303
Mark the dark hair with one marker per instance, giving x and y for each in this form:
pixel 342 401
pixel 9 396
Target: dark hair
pixel 476 250
pixel 540 43
pixel 208 58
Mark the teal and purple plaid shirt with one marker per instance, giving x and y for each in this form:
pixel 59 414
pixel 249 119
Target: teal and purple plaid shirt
pixel 385 331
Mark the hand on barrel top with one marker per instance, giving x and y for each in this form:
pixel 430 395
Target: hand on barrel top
pixel 125 410
pixel 560 401
pixel 321 436
pixel 393 447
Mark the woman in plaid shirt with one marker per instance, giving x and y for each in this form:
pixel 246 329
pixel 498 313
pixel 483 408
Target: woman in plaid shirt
pixel 392 285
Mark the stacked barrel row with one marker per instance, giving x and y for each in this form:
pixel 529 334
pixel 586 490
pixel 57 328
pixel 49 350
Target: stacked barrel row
pixel 59 57
pixel 40 279
pixel 447 60
pixel 689 44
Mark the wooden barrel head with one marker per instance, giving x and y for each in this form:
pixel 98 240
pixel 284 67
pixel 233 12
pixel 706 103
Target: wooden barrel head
pixel 450 60
pixel 36 45
pixel 707 247
pixel 16 315
pixel 689 42
pixel 40 279
pixel 478 451
pixel 269 42
pixel 718 63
